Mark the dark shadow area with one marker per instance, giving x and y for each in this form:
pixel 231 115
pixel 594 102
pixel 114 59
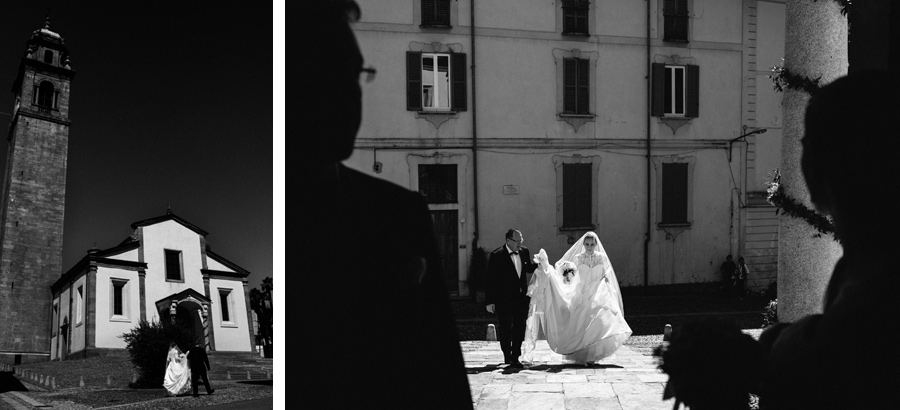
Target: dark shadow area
pixel 549 368
pixel 258 382
pixel 9 382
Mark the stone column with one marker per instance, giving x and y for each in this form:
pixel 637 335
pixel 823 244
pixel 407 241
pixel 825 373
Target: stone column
pixel 815 45
pixel 249 315
pixel 90 304
pixel 142 292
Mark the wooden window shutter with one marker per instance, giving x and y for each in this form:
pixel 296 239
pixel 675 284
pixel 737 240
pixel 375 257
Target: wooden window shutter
pixel 577 185
pixel 568 16
pixel 675 193
pixel 693 91
pixel 458 71
pixel 584 90
pixel 570 85
pixel 435 12
pixel 413 81
pixel 657 109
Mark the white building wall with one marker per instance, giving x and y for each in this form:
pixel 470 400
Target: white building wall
pixel 232 336
pixel 109 326
pixel 78 329
pixel 519 131
pixel 170 235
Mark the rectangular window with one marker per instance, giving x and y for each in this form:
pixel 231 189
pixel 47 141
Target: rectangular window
pixel 436 13
pixel 674 194
pixel 173 265
pixel 575 16
pixel 676 90
pixel 437 183
pixel 577 185
pixel 435 81
pixel 225 302
pixel 79 305
pixel 576 81
pixel 676 21
pixel 119 297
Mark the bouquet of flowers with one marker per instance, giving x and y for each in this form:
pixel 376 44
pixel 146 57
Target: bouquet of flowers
pixel 568 270
pixel 711 365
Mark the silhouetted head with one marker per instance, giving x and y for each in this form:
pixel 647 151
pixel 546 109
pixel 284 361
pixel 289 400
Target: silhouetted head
pixel 514 239
pixel 327 83
pixel 850 148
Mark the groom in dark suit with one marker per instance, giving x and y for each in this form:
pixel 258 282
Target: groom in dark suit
pixel 199 363
pixel 509 269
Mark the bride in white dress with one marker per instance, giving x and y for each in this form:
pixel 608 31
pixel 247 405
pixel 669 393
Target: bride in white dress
pixel 576 304
pixel 178 372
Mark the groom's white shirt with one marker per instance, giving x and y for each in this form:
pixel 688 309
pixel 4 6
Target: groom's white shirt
pixel 516 260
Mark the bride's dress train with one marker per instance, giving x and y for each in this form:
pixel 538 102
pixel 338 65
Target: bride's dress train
pixel 178 373
pixel 582 320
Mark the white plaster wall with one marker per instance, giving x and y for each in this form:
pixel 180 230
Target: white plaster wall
pixel 517 89
pixel 78 332
pixel 531 15
pixel 236 337
pixel 716 21
pixel 621 92
pixel 108 328
pixel 770 48
pixel 215 265
pixel 386 11
pixel 54 330
pixel 170 235
pixel 131 256
pixel 623 18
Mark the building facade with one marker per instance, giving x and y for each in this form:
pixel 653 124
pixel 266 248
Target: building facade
pixel 652 123
pixel 163 271
pixel 34 195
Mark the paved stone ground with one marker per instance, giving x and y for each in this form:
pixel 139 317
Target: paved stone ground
pixel 627 380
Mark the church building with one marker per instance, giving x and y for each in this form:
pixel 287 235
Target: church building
pixel 163 271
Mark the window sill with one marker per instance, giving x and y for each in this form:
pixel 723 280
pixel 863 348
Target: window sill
pixel 674 40
pixel 79 324
pixel 578 228
pixel 575 120
pixel 175 280
pixel 678 225
pixel 675 122
pixel 437 118
pixel 229 324
pixel 574 34
pixel 119 319
pixel 438 26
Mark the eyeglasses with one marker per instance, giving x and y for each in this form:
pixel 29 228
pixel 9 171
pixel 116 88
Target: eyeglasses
pixel 367 74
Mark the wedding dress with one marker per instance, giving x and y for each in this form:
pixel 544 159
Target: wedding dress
pixel 582 319
pixel 178 373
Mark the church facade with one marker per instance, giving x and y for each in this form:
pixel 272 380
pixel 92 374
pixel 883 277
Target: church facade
pixel 164 271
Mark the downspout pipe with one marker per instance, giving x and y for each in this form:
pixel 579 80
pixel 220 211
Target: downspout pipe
pixel 649 158
pixel 474 130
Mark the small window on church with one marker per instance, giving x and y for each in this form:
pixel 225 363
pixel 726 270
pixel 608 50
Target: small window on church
pixel 45 96
pixel 119 299
pixel 173 265
pixel 48 57
pixel 225 302
pixel 79 306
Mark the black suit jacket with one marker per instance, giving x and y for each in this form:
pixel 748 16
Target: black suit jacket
pixel 504 284
pixel 369 280
pixel 198 360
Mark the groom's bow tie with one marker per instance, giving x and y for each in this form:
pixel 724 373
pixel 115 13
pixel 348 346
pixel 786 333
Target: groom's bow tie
pixel 514 253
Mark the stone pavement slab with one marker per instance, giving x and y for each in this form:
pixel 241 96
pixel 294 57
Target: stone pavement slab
pixel 624 381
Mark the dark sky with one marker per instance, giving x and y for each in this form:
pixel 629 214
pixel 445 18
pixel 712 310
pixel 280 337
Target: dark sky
pixel 171 104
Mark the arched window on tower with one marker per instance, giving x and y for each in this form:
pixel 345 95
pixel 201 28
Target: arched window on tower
pixel 45 98
pixel 48 57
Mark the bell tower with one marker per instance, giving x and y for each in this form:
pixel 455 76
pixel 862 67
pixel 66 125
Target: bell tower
pixel 34 196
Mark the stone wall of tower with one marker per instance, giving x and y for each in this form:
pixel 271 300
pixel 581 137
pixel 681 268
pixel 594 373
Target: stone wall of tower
pixel 32 231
